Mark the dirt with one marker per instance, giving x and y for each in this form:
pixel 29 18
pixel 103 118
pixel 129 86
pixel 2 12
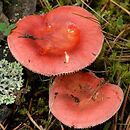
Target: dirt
pixel 20 8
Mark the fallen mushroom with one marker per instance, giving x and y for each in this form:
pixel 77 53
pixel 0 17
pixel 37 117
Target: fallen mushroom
pixel 82 100
pixel 64 40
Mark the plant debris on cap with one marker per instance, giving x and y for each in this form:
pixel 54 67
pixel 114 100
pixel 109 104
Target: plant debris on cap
pixel 64 40
pixel 82 100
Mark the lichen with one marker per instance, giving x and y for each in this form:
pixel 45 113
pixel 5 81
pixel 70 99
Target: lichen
pixel 10 81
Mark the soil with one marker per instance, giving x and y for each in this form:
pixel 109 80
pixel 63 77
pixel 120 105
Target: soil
pixel 112 63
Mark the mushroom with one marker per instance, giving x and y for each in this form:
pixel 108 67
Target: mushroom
pixel 82 100
pixel 64 40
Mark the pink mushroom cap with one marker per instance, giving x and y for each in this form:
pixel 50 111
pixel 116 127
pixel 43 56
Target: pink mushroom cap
pixel 82 100
pixel 64 40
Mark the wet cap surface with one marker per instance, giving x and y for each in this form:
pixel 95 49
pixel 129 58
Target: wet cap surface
pixel 64 40
pixel 82 100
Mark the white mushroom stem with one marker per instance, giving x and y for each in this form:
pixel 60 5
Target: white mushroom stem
pixel 66 57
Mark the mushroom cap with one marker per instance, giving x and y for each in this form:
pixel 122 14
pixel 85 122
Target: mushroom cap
pixel 64 40
pixel 82 100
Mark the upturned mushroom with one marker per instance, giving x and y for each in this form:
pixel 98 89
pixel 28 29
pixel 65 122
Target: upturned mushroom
pixel 82 100
pixel 64 40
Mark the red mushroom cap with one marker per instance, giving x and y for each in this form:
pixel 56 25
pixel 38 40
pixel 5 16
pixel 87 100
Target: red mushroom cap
pixel 82 100
pixel 64 40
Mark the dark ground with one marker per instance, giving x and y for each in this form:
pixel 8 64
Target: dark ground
pixel 115 57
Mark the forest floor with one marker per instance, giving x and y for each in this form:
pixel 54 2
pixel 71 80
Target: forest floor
pixel 30 110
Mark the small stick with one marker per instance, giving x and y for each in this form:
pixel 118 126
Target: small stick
pixel 41 3
pixel 32 120
pixel 94 11
pixel 127 123
pixel 110 48
pixel 124 106
pixel 93 96
pixel 2 127
pixel 17 127
pixel 30 37
pixel 52 123
pixel 105 6
pixel 119 35
pixel 115 122
pixel 95 71
pixel 27 126
pixel 62 128
pixel 58 3
pixel 90 18
pixel 128 12
pixel 30 105
pixel 110 34
pixel 102 82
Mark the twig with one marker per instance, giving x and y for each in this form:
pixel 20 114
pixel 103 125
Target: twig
pixel 128 12
pixel 32 120
pixel 20 125
pixel 124 106
pixel 48 128
pixel 2 127
pixel 104 7
pixel 94 93
pixel 62 128
pixel 89 18
pixel 102 82
pixel 58 3
pixel 27 126
pixel 127 123
pixel 125 101
pixel 44 80
pixel 95 71
pixel 110 48
pixel 17 127
pixel 119 35
pixel 115 122
pixel 94 11
pixel 124 56
pixel 41 3
pixel 47 4
pixel 110 34
pixel 30 105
